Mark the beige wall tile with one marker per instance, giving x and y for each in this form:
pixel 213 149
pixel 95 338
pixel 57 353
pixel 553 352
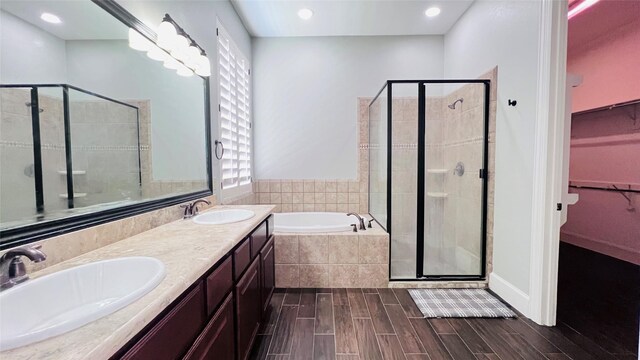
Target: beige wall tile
pixel 342 186
pixel 373 249
pixel 276 198
pixel 275 186
pixel 286 249
pixel 287 207
pixel 314 249
pixel 331 198
pixel 287 276
pixel 314 276
pixel 309 186
pixel 309 198
pixel 287 198
pixel 373 275
pixel 343 276
pixel 343 249
pixel 285 186
pixel 320 207
pixel 331 207
pixel 319 186
pixel 342 198
pixel 331 186
pixel 320 198
pixel 297 198
pixel 297 186
pixel 308 207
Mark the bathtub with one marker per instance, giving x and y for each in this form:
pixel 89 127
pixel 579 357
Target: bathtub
pixel 313 222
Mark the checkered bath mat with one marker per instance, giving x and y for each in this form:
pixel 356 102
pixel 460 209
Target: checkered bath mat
pixel 436 303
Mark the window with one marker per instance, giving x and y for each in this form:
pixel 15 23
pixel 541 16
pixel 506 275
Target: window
pixel 235 117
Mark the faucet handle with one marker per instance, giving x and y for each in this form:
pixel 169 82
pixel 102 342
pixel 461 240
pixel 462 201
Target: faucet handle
pixel 355 227
pixel 369 224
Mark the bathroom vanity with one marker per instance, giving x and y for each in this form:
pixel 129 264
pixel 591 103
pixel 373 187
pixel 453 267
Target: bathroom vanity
pixel 218 284
pixel 228 302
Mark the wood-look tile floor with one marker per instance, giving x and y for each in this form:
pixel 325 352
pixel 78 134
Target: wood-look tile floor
pixel 371 324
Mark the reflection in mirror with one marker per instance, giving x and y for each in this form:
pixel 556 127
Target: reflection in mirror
pixel 87 122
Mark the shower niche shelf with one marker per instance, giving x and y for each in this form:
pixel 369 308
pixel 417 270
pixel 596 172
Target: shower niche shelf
pixel 439 195
pixel 74 172
pixel 75 195
pixel 437 171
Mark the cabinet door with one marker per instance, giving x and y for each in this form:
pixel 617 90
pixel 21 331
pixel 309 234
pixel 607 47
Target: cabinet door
pixel 216 341
pixel 249 308
pixel 267 268
pixel 171 337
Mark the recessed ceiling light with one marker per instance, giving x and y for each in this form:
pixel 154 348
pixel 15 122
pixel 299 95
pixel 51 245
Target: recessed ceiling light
pixel 432 11
pixel 305 14
pixel 50 18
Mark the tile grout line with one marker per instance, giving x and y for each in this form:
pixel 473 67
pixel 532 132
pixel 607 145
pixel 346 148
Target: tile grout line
pixel 371 320
pixel 275 325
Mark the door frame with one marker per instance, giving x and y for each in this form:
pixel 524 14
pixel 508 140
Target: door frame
pixel 549 162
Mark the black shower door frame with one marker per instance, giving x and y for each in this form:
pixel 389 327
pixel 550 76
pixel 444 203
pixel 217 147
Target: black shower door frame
pixel 483 174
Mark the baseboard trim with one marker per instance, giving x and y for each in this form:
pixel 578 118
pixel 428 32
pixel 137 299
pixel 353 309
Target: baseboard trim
pixel 509 293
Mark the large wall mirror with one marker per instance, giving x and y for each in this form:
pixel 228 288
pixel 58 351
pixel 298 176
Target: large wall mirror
pixel 91 129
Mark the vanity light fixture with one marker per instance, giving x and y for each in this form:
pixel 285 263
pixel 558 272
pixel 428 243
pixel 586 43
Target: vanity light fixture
pixel 50 18
pixel 305 14
pixel 432 11
pixel 174 47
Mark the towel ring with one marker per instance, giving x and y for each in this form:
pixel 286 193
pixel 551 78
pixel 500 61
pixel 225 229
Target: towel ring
pixel 216 149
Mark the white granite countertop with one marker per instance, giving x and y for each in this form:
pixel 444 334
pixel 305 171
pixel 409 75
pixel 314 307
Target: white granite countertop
pixel 187 250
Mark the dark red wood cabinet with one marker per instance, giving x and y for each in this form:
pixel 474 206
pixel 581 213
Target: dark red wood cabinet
pixel 248 308
pixel 219 315
pixel 268 280
pixel 216 341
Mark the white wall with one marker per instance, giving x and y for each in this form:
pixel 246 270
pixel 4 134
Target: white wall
pixel 505 33
pixel 28 54
pixel 305 97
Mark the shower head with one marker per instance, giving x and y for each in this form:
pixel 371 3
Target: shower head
pixel 453 106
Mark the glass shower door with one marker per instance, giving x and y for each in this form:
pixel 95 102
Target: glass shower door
pixel 454 177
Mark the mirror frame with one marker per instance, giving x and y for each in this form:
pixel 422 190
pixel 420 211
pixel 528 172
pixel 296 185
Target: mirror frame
pixel 37 231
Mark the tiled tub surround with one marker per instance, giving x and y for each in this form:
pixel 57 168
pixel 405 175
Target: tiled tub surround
pixel 67 246
pixel 339 260
pixel 313 195
pixel 187 250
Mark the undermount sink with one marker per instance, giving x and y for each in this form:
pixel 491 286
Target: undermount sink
pixel 220 217
pixel 66 300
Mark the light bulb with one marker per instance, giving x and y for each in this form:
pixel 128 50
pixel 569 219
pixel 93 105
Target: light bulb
pixel 166 35
pixel 184 71
pixel 156 53
pixel 204 66
pixel 138 42
pixel 171 63
pixel 180 46
pixel 192 55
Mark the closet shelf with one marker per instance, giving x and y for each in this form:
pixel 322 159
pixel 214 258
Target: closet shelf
pixel 440 195
pixel 437 171
pixel 74 172
pixel 75 195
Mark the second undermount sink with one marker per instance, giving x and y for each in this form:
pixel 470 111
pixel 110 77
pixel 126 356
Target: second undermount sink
pixel 226 216
pixel 63 301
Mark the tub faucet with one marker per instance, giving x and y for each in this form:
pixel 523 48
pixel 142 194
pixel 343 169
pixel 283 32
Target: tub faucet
pixel 191 209
pixel 12 269
pixel 360 221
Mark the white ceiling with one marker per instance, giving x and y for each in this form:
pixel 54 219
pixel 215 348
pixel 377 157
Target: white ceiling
pixel 81 19
pixel 264 18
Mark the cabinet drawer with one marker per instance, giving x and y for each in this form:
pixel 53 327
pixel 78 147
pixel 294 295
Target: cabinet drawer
pixel 258 239
pixel 216 341
pixel 242 258
pixel 218 284
pixel 173 335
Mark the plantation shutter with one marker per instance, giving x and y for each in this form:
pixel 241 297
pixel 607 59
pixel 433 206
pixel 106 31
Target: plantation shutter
pixel 235 117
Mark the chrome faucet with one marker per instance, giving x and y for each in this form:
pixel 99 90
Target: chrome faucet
pixel 191 209
pixel 360 221
pixel 13 270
